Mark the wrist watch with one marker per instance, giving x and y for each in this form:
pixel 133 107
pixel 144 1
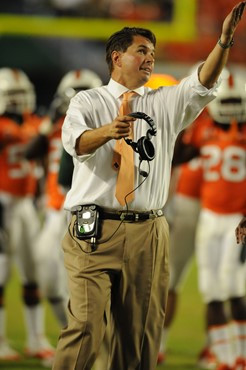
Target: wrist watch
pixel 226 46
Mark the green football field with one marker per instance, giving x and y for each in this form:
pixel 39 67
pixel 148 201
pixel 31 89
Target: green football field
pixel 185 340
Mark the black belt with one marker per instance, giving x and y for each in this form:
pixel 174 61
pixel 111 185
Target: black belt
pixel 133 216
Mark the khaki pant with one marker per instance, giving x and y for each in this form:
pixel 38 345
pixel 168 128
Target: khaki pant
pixel 129 271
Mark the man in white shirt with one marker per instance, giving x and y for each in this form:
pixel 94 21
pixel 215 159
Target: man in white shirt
pixel 124 263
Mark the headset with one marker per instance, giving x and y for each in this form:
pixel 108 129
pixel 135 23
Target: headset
pixel 144 147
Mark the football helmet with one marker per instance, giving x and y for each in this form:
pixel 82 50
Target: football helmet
pixel 159 79
pixel 71 83
pixel 17 93
pixel 230 102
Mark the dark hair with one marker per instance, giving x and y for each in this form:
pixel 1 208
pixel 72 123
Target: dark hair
pixel 122 39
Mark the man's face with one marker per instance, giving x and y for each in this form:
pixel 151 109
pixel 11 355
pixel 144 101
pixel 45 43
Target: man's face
pixel 136 63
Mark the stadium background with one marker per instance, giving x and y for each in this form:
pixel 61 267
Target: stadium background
pixel 48 38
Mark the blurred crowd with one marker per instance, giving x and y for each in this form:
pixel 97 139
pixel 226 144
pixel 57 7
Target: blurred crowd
pixel 119 9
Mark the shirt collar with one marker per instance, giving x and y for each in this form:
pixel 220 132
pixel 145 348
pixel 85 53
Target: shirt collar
pixel 117 89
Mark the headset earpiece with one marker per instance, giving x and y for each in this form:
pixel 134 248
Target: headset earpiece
pixel 144 147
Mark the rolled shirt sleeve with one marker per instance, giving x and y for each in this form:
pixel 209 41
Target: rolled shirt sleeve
pixel 191 98
pixel 75 125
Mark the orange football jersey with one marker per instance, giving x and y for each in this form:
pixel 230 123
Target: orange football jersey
pixel 190 179
pixel 54 195
pixel 17 174
pixel 190 176
pixel 223 155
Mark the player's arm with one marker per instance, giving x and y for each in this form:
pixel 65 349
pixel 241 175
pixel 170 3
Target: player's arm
pixel 216 61
pixel 241 231
pixel 183 152
pixel 37 147
pixel 65 173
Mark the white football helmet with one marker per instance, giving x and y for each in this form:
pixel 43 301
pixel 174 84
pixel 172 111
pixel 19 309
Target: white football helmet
pixel 73 82
pixel 230 101
pixel 17 93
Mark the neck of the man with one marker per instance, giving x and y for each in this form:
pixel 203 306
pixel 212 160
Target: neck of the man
pixel 128 84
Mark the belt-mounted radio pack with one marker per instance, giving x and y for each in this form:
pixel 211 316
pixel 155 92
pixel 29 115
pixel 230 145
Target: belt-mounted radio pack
pixel 87 222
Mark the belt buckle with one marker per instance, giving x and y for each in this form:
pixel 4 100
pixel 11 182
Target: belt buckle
pixel 124 215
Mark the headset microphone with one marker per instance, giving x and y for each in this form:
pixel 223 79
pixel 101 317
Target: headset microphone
pixel 143 173
pixel 144 147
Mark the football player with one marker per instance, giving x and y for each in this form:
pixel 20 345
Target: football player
pixel 48 146
pixel 20 222
pixel 184 204
pixel 221 273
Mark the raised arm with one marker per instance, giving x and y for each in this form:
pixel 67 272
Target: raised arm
pixel 217 59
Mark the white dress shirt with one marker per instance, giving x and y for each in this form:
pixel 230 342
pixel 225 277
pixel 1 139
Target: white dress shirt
pixel 172 108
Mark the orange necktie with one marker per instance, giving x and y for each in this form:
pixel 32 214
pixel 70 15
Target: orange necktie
pixel 123 159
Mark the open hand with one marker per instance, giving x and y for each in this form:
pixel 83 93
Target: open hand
pixel 232 20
